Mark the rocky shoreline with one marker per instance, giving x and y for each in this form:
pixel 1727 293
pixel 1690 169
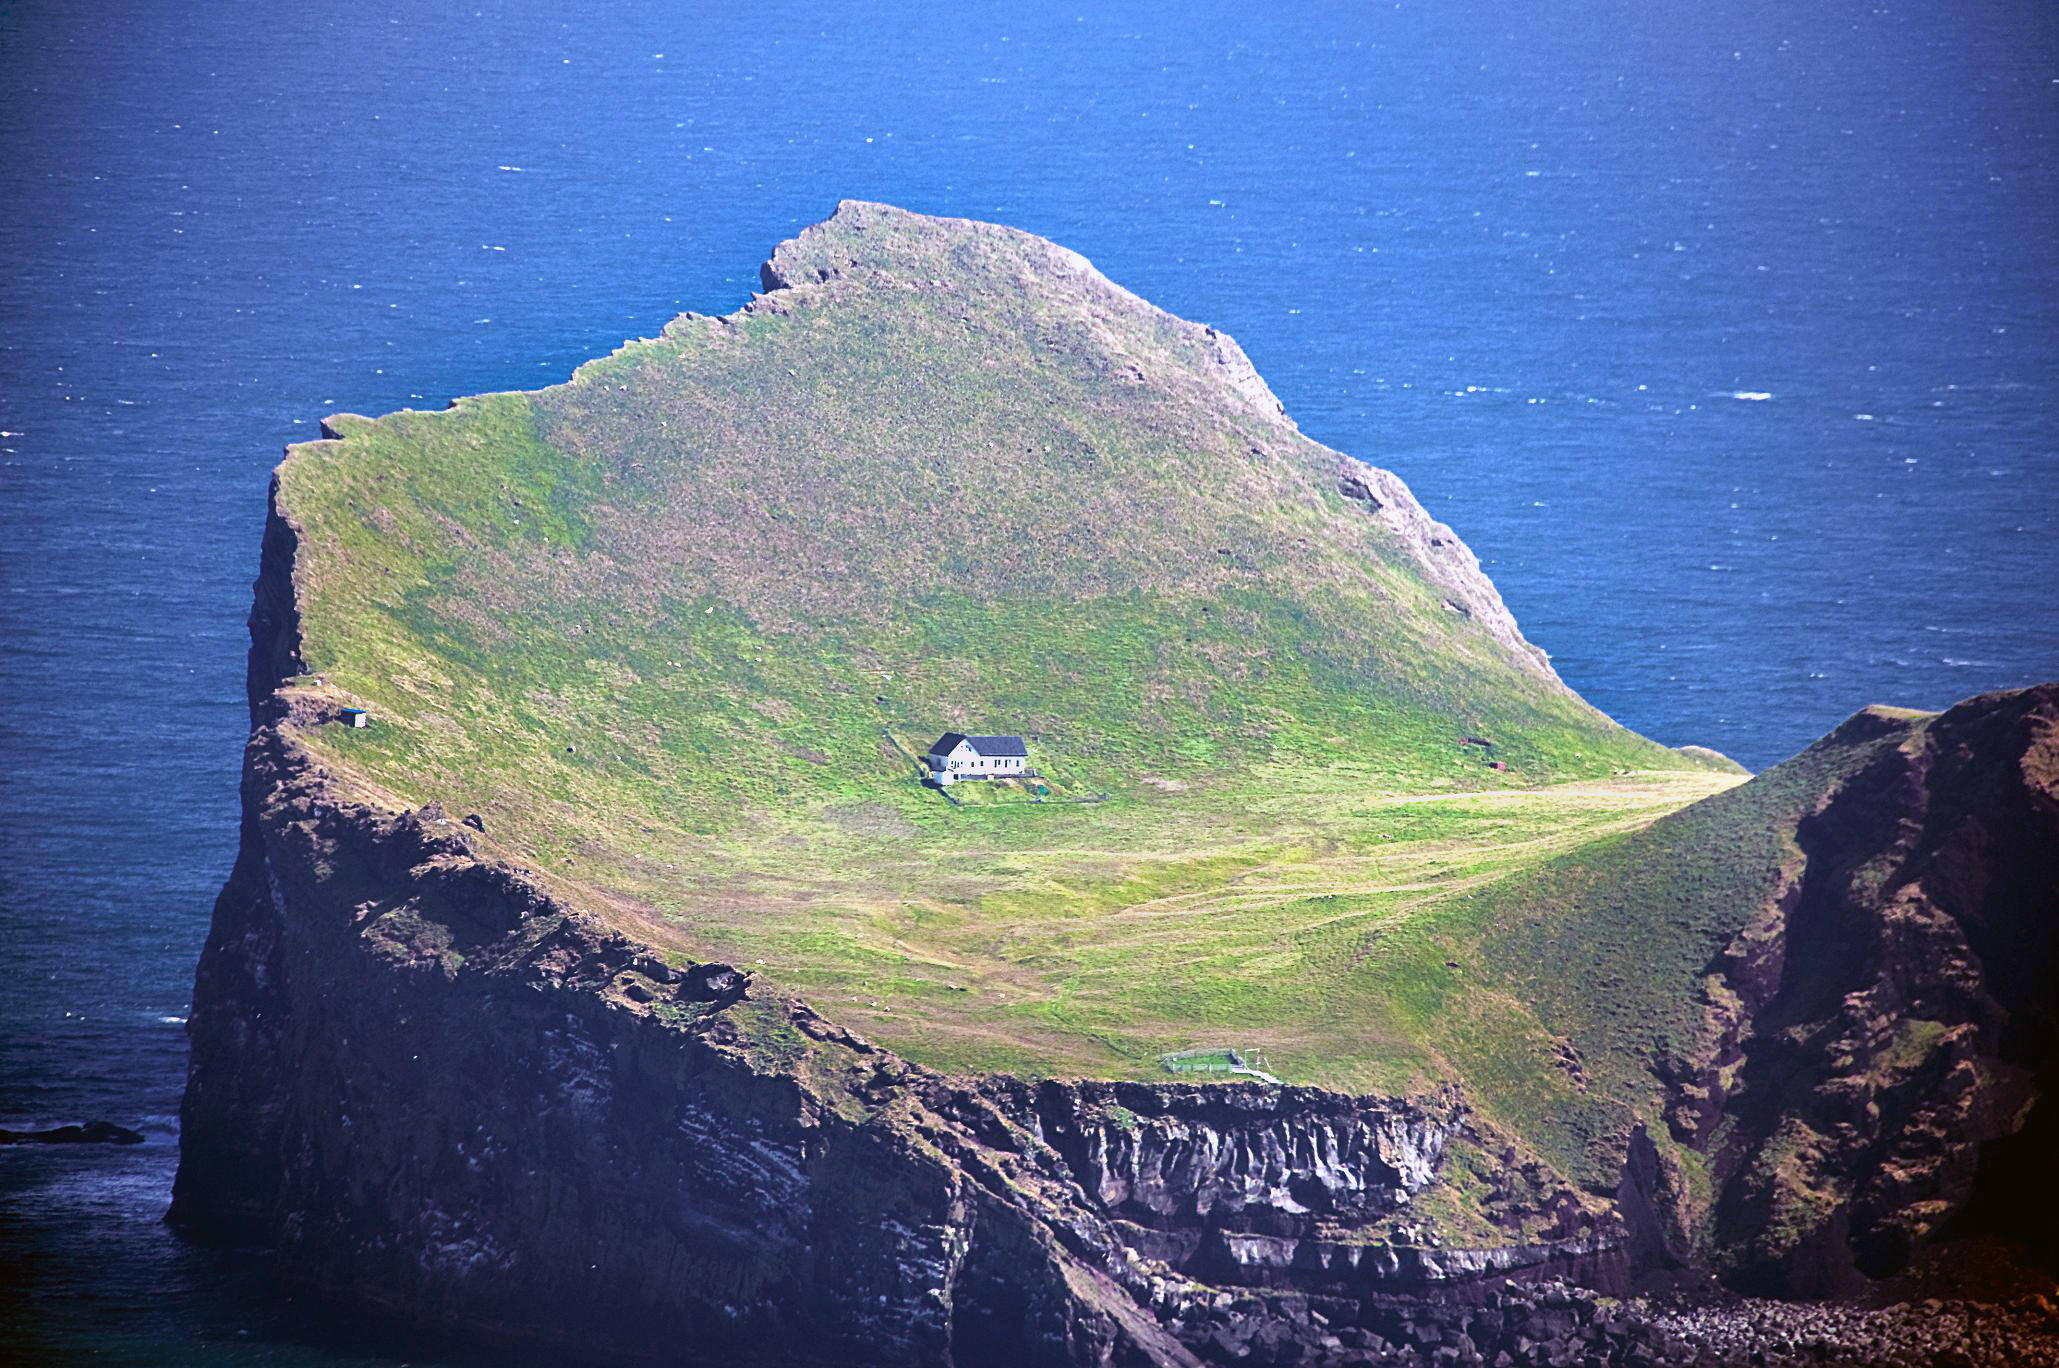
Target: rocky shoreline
pixel 1559 1325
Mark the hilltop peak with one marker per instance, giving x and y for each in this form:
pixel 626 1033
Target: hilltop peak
pixel 884 247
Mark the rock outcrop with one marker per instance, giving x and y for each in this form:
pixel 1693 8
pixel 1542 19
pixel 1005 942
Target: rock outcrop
pixel 1883 1033
pixel 91 1133
pixel 1305 1189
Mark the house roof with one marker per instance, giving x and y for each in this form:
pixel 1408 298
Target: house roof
pixel 981 745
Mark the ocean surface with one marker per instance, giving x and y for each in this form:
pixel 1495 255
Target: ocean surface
pixel 1726 333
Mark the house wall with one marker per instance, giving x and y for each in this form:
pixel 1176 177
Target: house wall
pixel 967 763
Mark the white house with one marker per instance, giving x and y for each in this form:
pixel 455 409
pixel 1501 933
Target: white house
pixel 956 756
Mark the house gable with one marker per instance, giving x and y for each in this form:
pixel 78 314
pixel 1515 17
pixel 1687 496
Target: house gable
pixel 977 757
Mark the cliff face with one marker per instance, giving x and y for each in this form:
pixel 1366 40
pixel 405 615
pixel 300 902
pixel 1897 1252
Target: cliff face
pixel 1297 1189
pixel 432 1088
pixel 1301 1188
pixel 1882 1031
pixel 442 1095
pixel 436 1091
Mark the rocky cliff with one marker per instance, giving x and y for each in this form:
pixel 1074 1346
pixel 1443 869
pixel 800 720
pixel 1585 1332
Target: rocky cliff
pixel 1885 1027
pixel 1808 1022
pixel 435 1088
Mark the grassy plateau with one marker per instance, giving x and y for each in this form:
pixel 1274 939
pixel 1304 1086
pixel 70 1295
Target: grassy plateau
pixel 672 628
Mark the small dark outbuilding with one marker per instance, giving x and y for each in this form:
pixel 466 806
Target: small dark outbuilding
pixel 356 717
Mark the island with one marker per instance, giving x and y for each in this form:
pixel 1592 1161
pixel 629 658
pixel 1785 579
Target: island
pixel 1324 980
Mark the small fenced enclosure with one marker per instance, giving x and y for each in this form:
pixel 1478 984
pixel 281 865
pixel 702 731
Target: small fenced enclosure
pixel 1218 1060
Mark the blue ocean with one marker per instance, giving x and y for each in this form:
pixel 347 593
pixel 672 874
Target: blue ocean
pixel 1726 333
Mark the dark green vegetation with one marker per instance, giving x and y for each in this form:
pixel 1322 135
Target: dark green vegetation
pixel 660 627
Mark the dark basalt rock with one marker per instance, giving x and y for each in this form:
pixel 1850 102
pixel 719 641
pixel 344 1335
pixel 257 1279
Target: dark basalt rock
pixel 92 1133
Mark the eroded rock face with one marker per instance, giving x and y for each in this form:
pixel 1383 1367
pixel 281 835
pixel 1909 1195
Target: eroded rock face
pixel 1188 1154
pixel 1302 1188
pixel 1891 1017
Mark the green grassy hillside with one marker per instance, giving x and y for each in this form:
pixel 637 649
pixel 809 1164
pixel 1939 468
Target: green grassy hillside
pixel 1609 948
pixel 670 628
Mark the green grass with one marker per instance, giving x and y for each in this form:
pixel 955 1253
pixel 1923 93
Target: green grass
pixel 1609 948
pixel 661 626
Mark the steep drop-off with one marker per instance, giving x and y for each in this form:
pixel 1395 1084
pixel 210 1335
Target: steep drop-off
pixel 1829 994
pixel 439 1092
pixel 436 1090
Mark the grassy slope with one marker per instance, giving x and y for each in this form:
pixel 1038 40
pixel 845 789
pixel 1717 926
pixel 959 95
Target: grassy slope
pixel 656 625
pixel 1608 947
